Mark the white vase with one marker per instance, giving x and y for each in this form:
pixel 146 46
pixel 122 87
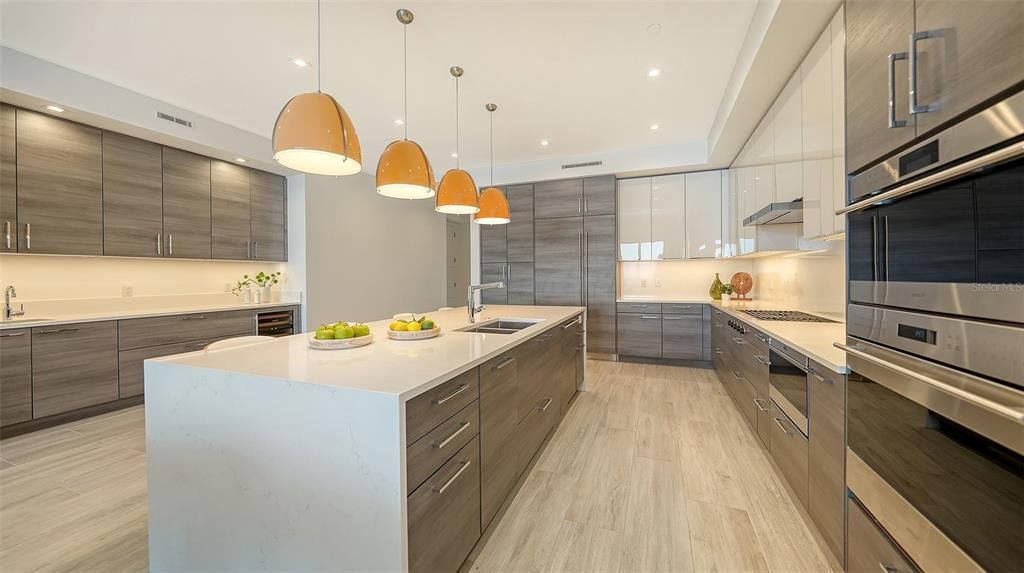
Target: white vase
pixel 265 294
pixel 247 296
pixel 257 296
pixel 726 297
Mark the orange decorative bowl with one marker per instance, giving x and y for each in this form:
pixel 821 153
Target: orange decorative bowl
pixel 741 283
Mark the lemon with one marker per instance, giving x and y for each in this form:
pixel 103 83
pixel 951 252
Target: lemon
pixel 398 326
pixel 413 326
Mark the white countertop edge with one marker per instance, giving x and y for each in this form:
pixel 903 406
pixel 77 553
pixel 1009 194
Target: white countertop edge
pixel 129 314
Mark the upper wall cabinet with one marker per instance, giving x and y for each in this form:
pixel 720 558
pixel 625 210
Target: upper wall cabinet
pixel 269 200
pixel 788 146
pixel 634 219
pixel 8 180
pixel 132 197
pixel 838 29
pixel 60 196
pixel 968 53
pixel 519 245
pixel 574 197
pixel 230 212
pixel 668 218
pixel 599 195
pixel 186 203
pixel 703 227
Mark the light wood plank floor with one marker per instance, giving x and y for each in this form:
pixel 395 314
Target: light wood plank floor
pixel 652 470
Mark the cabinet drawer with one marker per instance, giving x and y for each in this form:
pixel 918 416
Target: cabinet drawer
pixel 743 394
pixel 758 340
pixel 15 376
pixel 754 366
pixel 130 362
pixel 763 413
pixel 73 366
pixel 679 308
pixel 538 370
pixel 440 444
pixel 426 411
pixel 444 514
pixel 160 330
pixel 639 335
pixel 535 427
pixel 826 479
pixel 639 307
pixel 789 450
pixel 499 426
pixel 682 336
pixel 870 549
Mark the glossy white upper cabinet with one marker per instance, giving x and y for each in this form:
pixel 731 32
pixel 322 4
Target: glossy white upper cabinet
pixel 668 218
pixel 746 197
pixel 787 136
pixel 634 219
pixel 816 91
pixel 703 215
pixel 730 214
pixel 763 159
pixel 838 32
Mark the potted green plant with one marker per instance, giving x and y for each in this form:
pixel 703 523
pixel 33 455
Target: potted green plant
pixel 263 282
pixel 727 290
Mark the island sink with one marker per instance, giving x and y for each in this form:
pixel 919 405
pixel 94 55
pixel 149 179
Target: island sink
pixel 501 326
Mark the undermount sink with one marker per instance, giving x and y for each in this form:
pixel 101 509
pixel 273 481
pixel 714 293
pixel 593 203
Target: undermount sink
pixel 25 319
pixel 501 326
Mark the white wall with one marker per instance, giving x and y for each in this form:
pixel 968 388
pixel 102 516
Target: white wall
pixel 367 256
pixel 676 280
pixel 814 281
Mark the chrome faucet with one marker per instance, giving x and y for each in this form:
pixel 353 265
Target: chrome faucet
pixel 471 306
pixel 9 311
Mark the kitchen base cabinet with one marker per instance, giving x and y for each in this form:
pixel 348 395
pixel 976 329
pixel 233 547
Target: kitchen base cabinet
pixel 682 336
pixel 826 478
pixel 789 450
pixel 444 513
pixel 870 549
pixel 158 330
pixel 130 380
pixel 15 376
pixel 73 366
pixel 639 335
pixel 499 424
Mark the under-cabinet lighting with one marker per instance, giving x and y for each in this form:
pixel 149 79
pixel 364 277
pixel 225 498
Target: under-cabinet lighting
pixel 54 108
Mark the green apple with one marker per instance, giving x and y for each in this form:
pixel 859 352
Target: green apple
pixel 343 332
pixel 428 324
pixel 325 334
pixel 361 330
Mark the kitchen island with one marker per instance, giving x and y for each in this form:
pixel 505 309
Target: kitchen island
pixel 394 456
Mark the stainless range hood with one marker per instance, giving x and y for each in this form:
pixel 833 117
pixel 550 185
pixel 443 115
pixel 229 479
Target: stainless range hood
pixel 777 214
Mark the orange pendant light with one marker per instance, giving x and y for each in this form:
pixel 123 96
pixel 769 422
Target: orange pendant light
pixel 493 204
pixel 457 193
pixel 313 134
pixel 403 171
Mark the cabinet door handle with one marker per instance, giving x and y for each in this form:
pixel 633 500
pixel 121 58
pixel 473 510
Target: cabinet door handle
pixel 194 317
pixel 159 241
pixel 893 58
pixel 819 376
pixel 649 317
pixel 12 335
pixel 738 340
pixel 638 305
pixel 451 480
pixel 543 338
pixel 672 317
pixel 579 204
pixel 462 388
pixel 579 320
pixel 505 362
pixel 778 422
pixel 718 351
pixel 737 376
pixel 547 402
pixel 888 568
pixel 914 38
pixel 170 244
pixel 446 441
pixel 762 338
pixel 28 236
pixel 757 402
pixel 56 330
pixel 586 207
pixel 762 360
pixel 256 250
pixel 248 249
pixel 7 233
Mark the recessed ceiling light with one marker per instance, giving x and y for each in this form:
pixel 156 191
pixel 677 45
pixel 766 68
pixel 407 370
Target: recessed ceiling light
pixel 654 29
pixel 455 154
pixel 240 159
pixel 399 121
pixel 545 142
pixel 54 108
pixel 300 62
pixel 653 73
pixel 655 127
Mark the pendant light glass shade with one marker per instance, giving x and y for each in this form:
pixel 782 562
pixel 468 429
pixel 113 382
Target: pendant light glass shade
pixel 404 171
pixel 493 208
pixel 313 134
pixel 456 195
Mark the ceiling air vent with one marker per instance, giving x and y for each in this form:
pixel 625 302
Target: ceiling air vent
pixel 173 119
pixel 578 165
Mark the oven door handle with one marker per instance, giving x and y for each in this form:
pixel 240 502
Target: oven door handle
pixel 1011 414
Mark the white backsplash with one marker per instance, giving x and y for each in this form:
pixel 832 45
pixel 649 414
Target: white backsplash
pixel 814 281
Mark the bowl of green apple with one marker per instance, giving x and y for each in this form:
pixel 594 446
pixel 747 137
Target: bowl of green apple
pixel 340 335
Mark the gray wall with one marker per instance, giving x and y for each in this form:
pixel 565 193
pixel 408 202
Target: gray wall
pixel 368 256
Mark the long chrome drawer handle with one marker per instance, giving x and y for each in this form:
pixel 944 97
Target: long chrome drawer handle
pixel 199 317
pixel 778 422
pixel 763 361
pixel 737 376
pixel 757 402
pixel 543 338
pixel 646 316
pixel 579 320
pixel 56 330
pixel 7 233
pixel 462 388
pixel 547 402
pixel 505 363
pixel 462 428
pixel 12 335
pixel 979 401
pixel 672 317
pixel 739 340
pixel 451 480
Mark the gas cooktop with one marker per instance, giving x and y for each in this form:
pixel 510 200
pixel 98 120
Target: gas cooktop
pixel 787 315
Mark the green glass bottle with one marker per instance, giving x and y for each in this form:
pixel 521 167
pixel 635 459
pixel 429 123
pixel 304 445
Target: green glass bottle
pixel 716 288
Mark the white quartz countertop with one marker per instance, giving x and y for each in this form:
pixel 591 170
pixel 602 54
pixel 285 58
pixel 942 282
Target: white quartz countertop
pixel 403 368
pixel 54 319
pixel 812 339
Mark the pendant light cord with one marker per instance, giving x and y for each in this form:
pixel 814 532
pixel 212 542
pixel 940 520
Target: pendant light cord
pixel 492 149
pixel 405 78
pixel 318 47
pixel 457 150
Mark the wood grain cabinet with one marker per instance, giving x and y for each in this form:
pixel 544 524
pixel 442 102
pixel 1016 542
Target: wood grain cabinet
pixel 73 366
pixel 186 205
pixel 426 411
pixel 599 250
pixel 230 212
pixel 599 195
pixel 519 238
pixel 826 453
pixel 60 188
pixel 269 203
pixel 639 335
pixel 430 452
pixel 870 548
pixel 559 260
pixel 499 423
pixel 555 199
pixel 15 376
pixel 788 447
pixel 155 331
pixel 493 243
pixel 444 514
pixel 130 375
pixel 8 180
pixel 682 336
pixel 132 197
pixel 520 283
pixel 492 273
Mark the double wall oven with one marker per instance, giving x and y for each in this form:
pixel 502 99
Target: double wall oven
pixel 935 340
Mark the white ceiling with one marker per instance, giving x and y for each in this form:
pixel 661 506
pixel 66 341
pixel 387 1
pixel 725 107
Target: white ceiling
pixel 575 74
